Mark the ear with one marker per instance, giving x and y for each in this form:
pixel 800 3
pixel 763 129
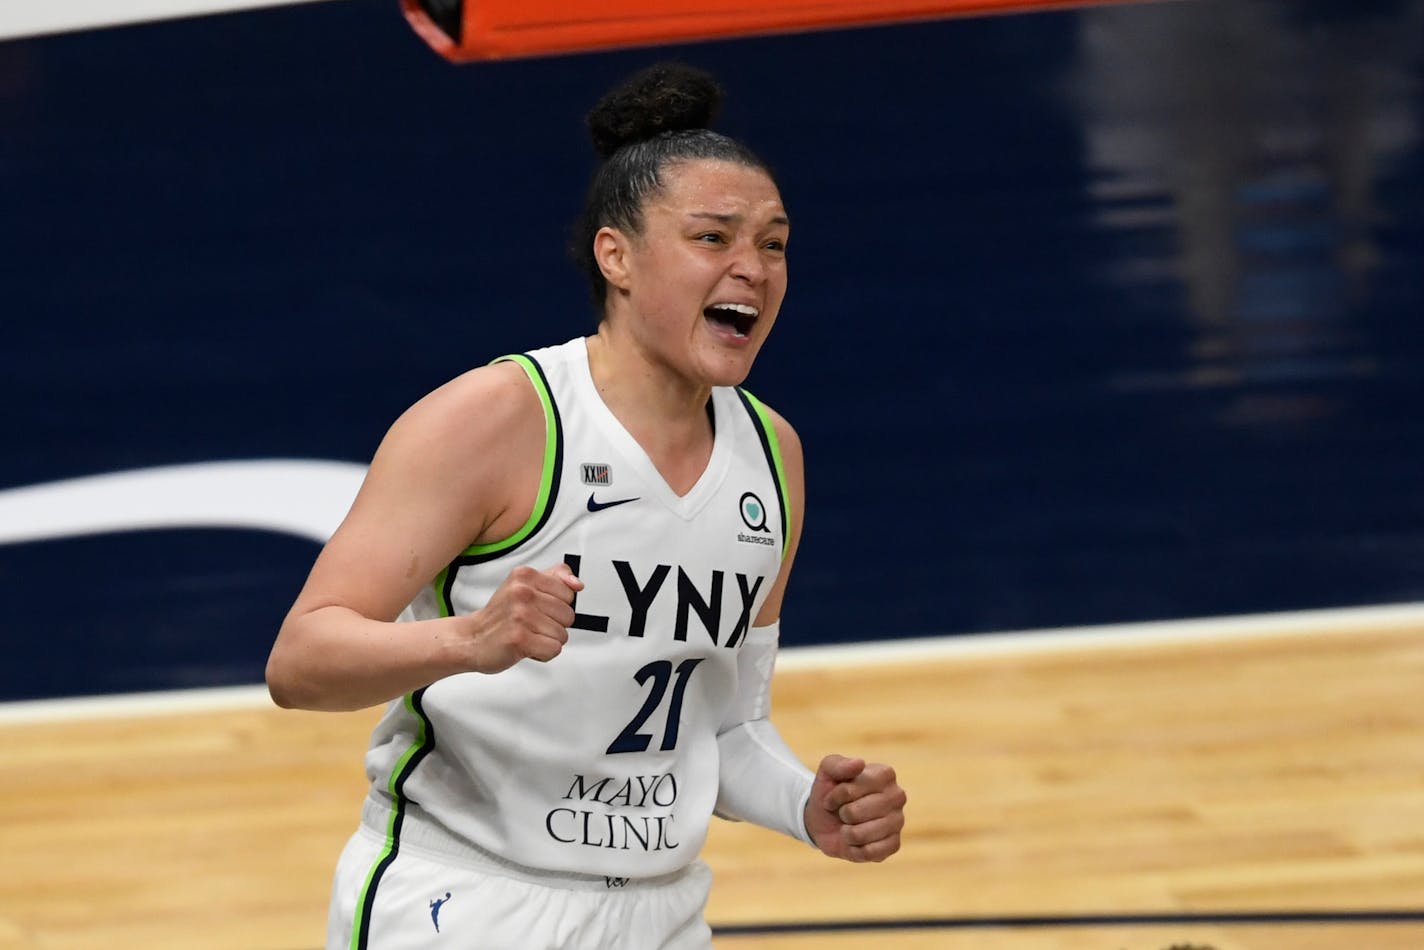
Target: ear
pixel 610 250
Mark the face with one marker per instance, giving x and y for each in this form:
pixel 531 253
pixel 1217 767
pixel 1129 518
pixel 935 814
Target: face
pixel 700 287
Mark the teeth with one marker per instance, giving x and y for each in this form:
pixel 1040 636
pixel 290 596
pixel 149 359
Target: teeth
pixel 744 309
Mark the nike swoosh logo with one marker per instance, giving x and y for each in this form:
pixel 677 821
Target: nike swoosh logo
pixel 600 505
pixel 303 497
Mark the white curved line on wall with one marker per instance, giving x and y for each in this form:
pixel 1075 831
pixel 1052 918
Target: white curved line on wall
pixel 30 18
pixel 303 497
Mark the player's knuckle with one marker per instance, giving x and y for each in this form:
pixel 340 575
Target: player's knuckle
pixel 883 774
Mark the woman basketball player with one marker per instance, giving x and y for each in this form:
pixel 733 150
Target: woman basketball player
pixel 587 546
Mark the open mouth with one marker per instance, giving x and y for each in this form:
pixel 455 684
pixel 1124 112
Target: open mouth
pixel 739 318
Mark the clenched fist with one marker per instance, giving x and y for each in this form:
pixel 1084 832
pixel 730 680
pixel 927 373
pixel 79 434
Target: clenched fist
pixel 528 616
pixel 856 810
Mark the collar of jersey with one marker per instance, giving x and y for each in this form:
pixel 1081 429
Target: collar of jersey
pixel 685 506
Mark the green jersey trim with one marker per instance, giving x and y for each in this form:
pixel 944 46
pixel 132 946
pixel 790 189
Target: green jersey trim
pixel 772 447
pixel 421 747
pixel 543 501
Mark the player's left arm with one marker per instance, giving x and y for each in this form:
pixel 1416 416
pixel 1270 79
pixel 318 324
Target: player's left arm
pixel 848 808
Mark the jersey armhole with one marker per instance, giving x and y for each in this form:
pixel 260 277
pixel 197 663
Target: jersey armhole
pixel 761 420
pixel 543 501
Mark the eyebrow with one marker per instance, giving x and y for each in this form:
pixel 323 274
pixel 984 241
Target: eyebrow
pixel 733 218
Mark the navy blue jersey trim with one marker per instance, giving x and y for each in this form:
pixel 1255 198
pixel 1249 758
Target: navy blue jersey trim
pixel 399 805
pixel 765 438
pixel 464 560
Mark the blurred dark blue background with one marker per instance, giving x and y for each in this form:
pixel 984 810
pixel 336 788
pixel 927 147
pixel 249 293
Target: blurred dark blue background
pixel 1096 316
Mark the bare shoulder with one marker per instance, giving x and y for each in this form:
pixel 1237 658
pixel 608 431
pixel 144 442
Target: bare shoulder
pixel 474 443
pixel 488 399
pixel 454 467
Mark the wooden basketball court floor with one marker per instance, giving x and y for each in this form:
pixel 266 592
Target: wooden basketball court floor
pixel 1246 785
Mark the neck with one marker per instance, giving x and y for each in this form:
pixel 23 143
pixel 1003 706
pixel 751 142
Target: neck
pixel 661 408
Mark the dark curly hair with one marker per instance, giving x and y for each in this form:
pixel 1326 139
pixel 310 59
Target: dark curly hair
pixel 656 117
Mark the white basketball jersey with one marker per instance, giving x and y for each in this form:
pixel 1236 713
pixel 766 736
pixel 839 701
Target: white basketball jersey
pixel 603 761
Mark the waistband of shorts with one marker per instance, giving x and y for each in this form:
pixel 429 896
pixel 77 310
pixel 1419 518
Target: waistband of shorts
pixel 419 832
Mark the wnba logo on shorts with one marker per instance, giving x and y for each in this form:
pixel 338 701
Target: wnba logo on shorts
pixel 435 906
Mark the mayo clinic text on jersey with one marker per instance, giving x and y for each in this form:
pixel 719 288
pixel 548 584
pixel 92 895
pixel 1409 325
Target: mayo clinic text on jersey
pixel 646 830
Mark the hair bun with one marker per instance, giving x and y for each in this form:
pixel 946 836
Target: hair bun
pixel 667 97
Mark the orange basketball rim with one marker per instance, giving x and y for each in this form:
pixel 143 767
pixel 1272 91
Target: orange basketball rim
pixel 466 30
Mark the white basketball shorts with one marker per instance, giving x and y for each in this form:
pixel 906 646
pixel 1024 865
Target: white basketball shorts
pixel 424 900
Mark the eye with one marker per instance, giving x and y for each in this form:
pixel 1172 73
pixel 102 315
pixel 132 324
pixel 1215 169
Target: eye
pixel 776 245
pixel 711 237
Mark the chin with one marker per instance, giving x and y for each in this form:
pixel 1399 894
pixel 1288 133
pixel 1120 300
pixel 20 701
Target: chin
pixel 729 370
pixel 731 379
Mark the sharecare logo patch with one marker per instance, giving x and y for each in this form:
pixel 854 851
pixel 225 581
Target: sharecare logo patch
pixel 753 513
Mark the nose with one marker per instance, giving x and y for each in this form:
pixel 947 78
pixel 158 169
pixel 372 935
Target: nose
pixel 747 264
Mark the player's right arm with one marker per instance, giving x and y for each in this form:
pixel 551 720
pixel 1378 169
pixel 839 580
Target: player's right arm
pixel 460 466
